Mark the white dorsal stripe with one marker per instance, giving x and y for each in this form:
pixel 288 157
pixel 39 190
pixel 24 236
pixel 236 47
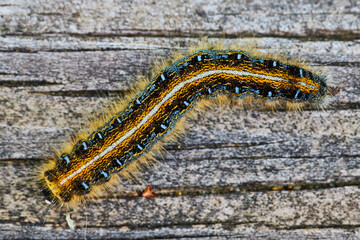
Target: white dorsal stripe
pixel 157 107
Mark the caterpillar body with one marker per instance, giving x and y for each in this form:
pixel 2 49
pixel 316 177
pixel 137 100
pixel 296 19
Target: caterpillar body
pixel 154 112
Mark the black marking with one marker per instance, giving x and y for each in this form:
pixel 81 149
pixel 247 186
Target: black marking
pixel 294 71
pixel 99 136
pixel 269 64
pixel 80 147
pixel 114 124
pixel 117 163
pixel 102 177
pixel 83 188
pixel 48 195
pixel 50 175
pixel 64 161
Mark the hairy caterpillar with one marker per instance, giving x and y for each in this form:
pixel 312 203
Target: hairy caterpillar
pixel 129 135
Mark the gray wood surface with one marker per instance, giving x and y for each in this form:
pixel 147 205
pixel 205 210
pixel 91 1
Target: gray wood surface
pixel 236 174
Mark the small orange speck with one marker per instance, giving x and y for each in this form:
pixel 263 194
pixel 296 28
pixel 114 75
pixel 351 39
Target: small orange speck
pixel 290 187
pixel 179 193
pixel 148 193
pixel 276 188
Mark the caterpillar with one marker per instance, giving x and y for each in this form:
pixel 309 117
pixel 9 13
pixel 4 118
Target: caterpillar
pixel 129 136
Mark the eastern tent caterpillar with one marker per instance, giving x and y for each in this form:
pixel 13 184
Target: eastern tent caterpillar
pixel 120 143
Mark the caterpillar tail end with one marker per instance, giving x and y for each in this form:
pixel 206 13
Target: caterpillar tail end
pixel 49 196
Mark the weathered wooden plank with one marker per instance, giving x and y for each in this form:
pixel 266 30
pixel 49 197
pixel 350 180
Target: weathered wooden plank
pixel 195 231
pixel 87 64
pixel 336 19
pixel 237 213
pixel 206 164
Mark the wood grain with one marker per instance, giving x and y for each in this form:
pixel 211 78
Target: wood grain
pixel 235 174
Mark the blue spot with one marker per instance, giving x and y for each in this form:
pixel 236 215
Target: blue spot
pixel 255 91
pixel 109 128
pixel 239 56
pixel 173 114
pixel 118 163
pixel 225 56
pixel 104 174
pixel 163 126
pixel 139 147
pixel 84 145
pixel 254 60
pixel 152 87
pixel 209 91
pixel 199 58
pixel 137 101
pixel 270 94
pixel 186 103
pixel 297 93
pixel 153 135
pixel 301 72
pixel 67 159
pixel 128 155
pixel 274 64
pixel 163 77
pixel 237 90
pixel 99 136
pixel 85 186
pixel 192 98
pixel 185 64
